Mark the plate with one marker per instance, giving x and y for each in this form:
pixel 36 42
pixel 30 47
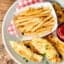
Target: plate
pixel 6 37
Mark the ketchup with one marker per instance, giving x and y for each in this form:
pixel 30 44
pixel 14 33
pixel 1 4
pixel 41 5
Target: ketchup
pixel 60 31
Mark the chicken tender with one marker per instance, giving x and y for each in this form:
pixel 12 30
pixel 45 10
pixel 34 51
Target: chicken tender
pixel 59 45
pixel 43 46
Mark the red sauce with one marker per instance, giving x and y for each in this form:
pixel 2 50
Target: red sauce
pixel 60 31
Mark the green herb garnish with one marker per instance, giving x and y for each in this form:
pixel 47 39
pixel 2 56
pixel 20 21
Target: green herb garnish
pixel 25 59
pixel 47 47
pixel 43 54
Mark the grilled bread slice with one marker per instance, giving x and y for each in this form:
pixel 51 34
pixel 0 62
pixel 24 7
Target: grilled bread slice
pixel 25 52
pixel 43 46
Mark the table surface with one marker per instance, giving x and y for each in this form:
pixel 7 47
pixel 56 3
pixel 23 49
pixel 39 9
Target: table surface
pixel 4 57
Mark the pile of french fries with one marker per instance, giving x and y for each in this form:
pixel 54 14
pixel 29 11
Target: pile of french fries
pixel 34 21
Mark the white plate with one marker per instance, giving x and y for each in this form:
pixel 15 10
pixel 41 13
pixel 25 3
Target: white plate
pixel 6 37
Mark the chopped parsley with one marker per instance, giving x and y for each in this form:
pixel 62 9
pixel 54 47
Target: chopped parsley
pixel 43 54
pixel 25 59
pixel 47 47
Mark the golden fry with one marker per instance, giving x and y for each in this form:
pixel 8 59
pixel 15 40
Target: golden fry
pixel 40 24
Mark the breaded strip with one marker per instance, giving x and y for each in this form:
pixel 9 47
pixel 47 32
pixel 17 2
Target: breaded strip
pixel 57 43
pixel 23 51
pixel 42 46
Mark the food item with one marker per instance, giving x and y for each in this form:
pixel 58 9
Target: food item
pixel 35 21
pixel 42 46
pixel 60 31
pixel 36 49
pixel 25 52
pixel 58 44
pixel 60 12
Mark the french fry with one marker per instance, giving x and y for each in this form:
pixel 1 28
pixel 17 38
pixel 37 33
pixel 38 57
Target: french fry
pixel 41 23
